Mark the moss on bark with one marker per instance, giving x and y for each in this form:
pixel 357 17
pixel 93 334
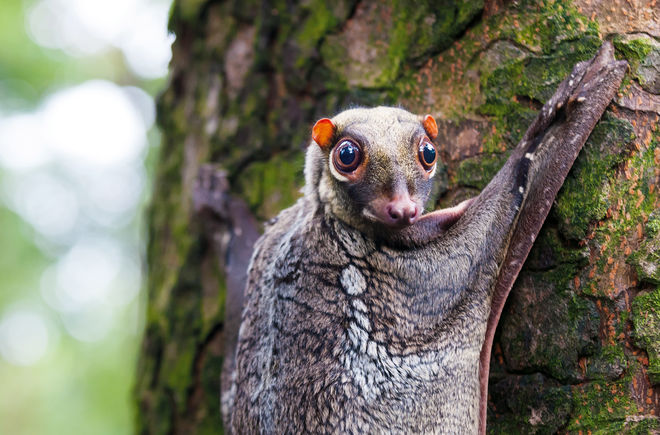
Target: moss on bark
pixel 248 79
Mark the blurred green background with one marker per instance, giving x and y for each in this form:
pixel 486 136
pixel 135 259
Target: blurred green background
pixel 77 135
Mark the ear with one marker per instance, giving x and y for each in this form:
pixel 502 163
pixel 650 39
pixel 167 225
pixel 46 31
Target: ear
pixel 323 132
pixel 430 126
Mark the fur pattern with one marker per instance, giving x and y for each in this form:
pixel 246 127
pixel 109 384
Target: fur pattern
pixel 344 331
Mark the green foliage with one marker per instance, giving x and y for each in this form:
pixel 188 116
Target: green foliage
pixel 21 269
pixel 28 72
pixel 78 387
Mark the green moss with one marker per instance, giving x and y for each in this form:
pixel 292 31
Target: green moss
pixel 644 426
pixel 633 50
pixel 601 407
pixel 164 410
pixel 606 407
pixel 643 55
pixel 608 363
pixel 169 237
pixel 318 23
pixel 509 127
pixel 320 18
pixel 184 327
pixel 541 26
pixel 182 323
pixel 653 225
pixel 479 170
pixel 214 294
pixel 542 301
pixel 528 404
pixel 269 187
pixel 646 321
pixel 394 37
pixel 647 261
pixel 210 419
pixel 364 55
pixel 549 251
pixel 335 58
pixel 500 88
pixel 535 43
pixel 510 88
pixel 535 77
pixel 633 201
pixel 440 23
pixel 585 195
pixel 184 11
pixel 574 320
pixel 397 48
pixel 647 257
pixel 544 73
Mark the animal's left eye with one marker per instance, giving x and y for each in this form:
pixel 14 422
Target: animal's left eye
pixel 427 154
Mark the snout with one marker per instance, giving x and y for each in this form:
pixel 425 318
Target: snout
pixel 401 211
pixel 398 211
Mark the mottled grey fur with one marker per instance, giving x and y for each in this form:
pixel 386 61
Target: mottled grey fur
pixel 350 326
pixel 344 333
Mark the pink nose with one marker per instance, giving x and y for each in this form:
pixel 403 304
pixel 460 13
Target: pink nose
pixel 402 211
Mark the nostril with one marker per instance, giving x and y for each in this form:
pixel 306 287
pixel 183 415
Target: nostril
pixel 394 214
pixel 410 213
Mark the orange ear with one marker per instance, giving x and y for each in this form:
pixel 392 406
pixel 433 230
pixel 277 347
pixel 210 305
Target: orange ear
pixel 430 126
pixel 323 132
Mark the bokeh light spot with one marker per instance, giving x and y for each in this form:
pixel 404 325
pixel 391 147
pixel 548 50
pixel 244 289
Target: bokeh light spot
pixel 94 123
pixel 23 337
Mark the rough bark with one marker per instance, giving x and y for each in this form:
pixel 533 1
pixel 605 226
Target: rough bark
pixel 578 346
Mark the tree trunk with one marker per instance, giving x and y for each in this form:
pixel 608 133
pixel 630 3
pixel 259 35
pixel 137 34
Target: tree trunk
pixel 578 346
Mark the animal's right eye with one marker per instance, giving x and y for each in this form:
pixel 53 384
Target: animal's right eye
pixel 347 156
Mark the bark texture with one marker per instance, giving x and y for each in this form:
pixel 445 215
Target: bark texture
pixel 578 346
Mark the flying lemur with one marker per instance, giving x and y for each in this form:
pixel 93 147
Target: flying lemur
pixel 362 313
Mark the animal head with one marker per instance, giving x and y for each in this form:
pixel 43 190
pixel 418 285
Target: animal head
pixel 373 168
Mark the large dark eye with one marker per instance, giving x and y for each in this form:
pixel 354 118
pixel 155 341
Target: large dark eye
pixel 347 156
pixel 427 154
